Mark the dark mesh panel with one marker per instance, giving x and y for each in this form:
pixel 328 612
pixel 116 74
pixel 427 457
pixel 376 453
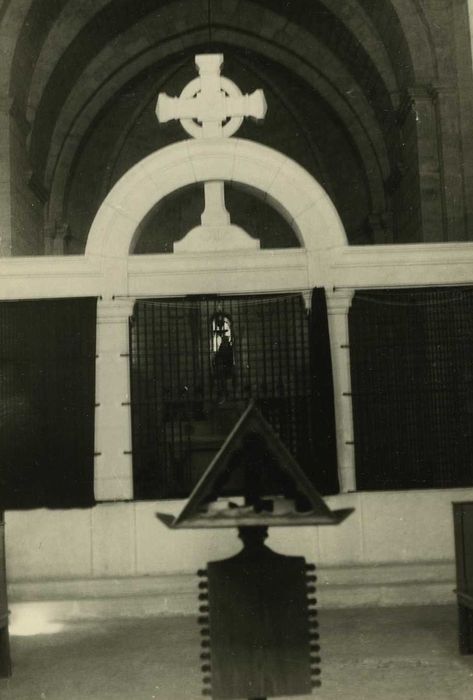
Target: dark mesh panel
pixel 412 382
pixel 47 385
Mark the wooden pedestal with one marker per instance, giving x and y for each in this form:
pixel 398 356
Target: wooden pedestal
pixel 259 631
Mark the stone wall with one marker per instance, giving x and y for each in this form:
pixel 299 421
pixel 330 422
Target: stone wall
pixel 397 548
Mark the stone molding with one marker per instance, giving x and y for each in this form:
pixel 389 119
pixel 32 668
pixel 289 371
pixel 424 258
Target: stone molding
pixel 346 586
pixel 277 178
pixel 347 267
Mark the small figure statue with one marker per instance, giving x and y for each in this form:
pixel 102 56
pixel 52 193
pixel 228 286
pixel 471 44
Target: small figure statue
pixel 223 363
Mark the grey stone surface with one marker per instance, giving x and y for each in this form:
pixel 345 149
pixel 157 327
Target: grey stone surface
pixel 367 654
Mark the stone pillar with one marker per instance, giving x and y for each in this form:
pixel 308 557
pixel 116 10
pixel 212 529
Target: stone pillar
pixel 27 193
pixel 454 162
pixel 113 462
pixel 5 194
pixel 381 227
pixel 56 238
pixel 421 129
pixel 470 15
pixel 338 305
pixel 463 36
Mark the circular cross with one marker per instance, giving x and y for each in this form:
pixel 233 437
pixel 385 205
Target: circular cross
pixel 229 89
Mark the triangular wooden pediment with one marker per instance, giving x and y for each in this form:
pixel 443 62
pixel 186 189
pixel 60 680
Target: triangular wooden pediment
pixel 207 507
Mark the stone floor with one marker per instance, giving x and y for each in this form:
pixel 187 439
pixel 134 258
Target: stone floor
pixel 367 654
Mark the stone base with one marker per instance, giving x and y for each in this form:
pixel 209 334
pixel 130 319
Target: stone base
pixel 216 239
pixel 337 587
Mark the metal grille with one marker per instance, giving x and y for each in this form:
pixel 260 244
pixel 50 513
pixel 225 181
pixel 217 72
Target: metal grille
pixel 47 385
pixel 412 383
pixel 184 404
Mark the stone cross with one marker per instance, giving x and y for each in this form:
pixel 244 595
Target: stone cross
pixel 211 106
pixel 211 100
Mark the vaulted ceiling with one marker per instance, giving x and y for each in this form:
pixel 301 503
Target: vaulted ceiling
pixel 83 77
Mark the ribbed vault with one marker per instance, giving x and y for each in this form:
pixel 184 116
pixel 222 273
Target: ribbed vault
pixel 69 64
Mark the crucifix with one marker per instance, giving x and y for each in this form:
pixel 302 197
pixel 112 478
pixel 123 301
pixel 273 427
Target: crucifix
pixel 211 106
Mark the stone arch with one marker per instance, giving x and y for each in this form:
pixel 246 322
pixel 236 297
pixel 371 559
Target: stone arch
pixel 278 178
pixel 249 16
pixel 392 33
pixel 12 18
pixel 234 31
pixel 151 96
pixel 353 112
pixel 70 25
pixel 412 29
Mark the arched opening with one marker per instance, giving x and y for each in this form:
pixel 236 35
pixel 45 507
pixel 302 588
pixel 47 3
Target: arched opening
pixel 279 180
pixel 196 361
pixel 175 215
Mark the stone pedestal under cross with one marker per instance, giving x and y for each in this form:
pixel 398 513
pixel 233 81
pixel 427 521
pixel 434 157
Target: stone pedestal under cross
pixel 212 106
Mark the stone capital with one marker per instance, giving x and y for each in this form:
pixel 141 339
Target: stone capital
pixel 414 94
pixel 115 310
pixel 339 300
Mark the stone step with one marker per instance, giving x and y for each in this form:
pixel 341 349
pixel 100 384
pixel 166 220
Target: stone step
pixel 176 594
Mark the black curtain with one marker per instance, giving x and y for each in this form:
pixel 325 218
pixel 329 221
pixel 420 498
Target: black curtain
pixel 47 393
pixel 412 386
pixel 323 409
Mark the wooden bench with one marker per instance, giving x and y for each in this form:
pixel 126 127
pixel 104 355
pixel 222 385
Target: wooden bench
pixel 463 526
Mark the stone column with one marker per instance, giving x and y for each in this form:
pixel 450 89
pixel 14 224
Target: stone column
pixel 27 193
pixel 470 15
pixel 381 226
pixel 338 305
pixel 454 161
pixel 56 237
pixel 463 39
pixel 5 185
pixel 113 462
pixel 418 117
